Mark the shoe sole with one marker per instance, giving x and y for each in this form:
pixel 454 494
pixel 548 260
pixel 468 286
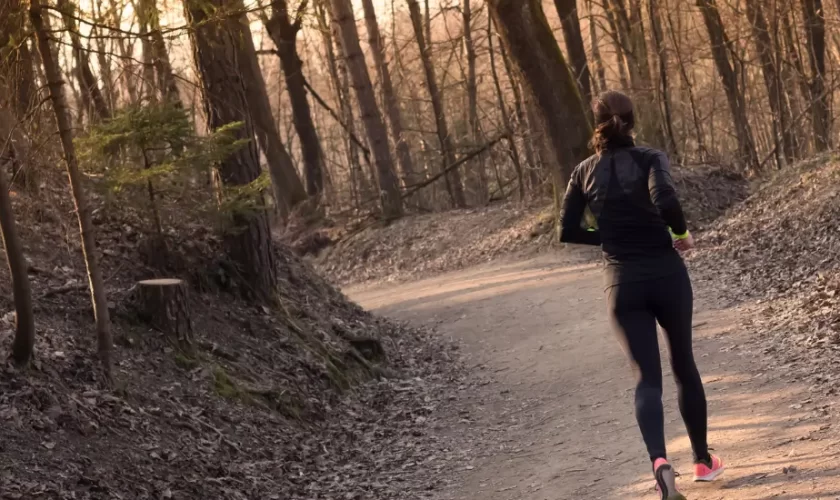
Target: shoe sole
pixel 710 477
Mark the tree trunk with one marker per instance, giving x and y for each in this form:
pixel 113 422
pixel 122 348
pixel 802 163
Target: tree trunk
pixel 86 228
pixel 772 80
pixel 514 152
pixel 283 32
pixel 128 76
pixel 631 34
pixel 477 167
pixel 87 80
pixel 528 136
pixel 165 80
pixel 663 88
pixel 389 189
pixel 721 52
pixel 814 20
pixel 148 88
pixel 596 50
pixel 568 12
pixel 164 304
pixel 24 341
pixel 427 22
pixel 17 79
pixel 526 33
pixel 795 70
pixel 287 188
pixel 695 114
pixel 453 177
pixel 338 75
pixel 392 105
pixel 219 41
pixel 617 47
pixel 103 58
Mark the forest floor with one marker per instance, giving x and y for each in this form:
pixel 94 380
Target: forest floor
pixel 553 415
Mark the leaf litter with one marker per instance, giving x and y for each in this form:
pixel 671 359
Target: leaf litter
pixel 275 403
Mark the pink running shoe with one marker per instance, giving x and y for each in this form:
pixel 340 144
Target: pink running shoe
pixel 705 472
pixel 666 483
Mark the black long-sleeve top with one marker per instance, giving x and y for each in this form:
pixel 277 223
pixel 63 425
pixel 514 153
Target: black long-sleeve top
pixel 630 192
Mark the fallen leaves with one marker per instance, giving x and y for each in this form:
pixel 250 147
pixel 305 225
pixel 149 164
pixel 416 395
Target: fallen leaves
pixel 778 253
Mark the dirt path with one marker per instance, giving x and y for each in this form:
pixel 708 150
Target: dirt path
pixel 554 418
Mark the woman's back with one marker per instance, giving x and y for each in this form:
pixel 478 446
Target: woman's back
pixel 630 191
pixel 620 187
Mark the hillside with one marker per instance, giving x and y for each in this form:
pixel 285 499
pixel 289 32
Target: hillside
pixel 280 403
pixel 778 251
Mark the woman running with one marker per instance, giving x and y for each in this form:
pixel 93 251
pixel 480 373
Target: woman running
pixel 642 230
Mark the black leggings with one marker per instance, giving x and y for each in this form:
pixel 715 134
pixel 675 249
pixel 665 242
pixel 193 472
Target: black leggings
pixel 635 309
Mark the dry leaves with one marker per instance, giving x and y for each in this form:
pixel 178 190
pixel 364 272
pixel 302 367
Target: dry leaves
pixel 778 251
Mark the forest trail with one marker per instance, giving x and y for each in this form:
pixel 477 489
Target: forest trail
pixel 553 419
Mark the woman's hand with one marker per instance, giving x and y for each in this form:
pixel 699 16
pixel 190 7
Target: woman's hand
pixel 684 244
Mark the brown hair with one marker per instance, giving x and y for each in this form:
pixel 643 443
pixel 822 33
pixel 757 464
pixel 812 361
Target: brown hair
pixel 614 120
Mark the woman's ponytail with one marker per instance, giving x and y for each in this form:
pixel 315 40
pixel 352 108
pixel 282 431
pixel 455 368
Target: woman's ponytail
pixel 614 120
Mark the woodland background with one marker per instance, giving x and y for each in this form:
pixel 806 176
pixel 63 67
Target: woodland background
pixel 212 145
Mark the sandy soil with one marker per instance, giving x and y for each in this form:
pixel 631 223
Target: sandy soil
pixel 554 417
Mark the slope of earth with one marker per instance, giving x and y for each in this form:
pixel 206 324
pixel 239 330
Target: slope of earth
pixel 780 250
pixel 426 244
pixel 554 415
pixel 272 403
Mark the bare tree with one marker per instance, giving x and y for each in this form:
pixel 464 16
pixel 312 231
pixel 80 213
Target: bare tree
pixel 87 80
pixel 506 122
pixel 128 76
pixel 342 11
pixel 568 12
pixel 814 20
pixel 633 44
pixel 594 42
pixel 24 341
pixel 392 104
pixel 615 35
pixel 359 185
pixel 86 228
pixel 284 31
pixel 15 59
pixel 453 177
pixel 772 80
pixel 561 112
pixel 663 90
pixel 478 169
pixel 522 119
pixel 288 188
pixel 149 18
pixel 724 57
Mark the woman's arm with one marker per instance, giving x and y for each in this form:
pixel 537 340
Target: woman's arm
pixel 574 204
pixel 664 195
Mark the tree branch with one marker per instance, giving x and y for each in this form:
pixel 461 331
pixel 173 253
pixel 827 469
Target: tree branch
pixel 323 103
pixel 416 187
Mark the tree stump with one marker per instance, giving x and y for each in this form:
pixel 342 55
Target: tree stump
pixel 164 304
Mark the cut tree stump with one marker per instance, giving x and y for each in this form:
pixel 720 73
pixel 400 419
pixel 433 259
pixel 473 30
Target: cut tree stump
pixel 164 304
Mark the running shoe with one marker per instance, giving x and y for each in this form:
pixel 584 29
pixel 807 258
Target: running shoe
pixel 708 471
pixel 666 480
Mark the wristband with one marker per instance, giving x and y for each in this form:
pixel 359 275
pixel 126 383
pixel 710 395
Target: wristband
pixel 590 230
pixel 683 236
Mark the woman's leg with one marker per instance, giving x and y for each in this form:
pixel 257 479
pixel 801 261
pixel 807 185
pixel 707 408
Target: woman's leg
pixel 636 327
pixel 672 301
